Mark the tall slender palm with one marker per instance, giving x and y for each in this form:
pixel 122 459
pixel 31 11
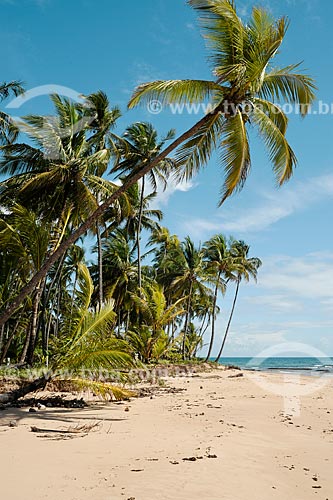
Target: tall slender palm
pixel 246 90
pixel 102 126
pixel 218 261
pixel 244 267
pixel 189 278
pixel 138 147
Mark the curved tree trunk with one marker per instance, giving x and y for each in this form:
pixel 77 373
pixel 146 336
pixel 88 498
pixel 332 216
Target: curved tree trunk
pixel 229 323
pixel 211 343
pixel 39 383
pixel 65 245
pixel 187 318
pixel 138 234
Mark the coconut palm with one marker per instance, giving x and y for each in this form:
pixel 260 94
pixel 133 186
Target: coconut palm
pixel 86 343
pixel 244 268
pixel 218 262
pixel 149 338
pixel 62 174
pixel 102 126
pixel 8 129
pixel 139 146
pixel 246 90
pixel 190 280
pixel 26 237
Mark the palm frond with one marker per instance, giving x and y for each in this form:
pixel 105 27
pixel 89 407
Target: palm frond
pixel 235 155
pixel 14 87
pixel 174 91
pixel 274 112
pixel 102 389
pixel 224 33
pixel 196 152
pixel 280 152
pixel 287 86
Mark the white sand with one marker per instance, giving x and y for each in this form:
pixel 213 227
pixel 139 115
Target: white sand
pixel 139 454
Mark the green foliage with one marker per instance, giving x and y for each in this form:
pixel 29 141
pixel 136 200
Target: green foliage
pixel 245 91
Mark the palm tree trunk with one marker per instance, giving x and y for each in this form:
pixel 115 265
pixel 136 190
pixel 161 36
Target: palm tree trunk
pixel 100 267
pixel 138 234
pixel 187 317
pixel 65 245
pixel 39 383
pixel 229 323
pixel 211 343
pixel 8 343
pixel 34 323
pixel 2 335
pixel 25 346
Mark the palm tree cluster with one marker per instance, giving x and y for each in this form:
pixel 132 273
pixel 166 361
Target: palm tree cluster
pixel 61 190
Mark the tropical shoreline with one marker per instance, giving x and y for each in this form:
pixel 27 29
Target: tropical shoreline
pixel 211 435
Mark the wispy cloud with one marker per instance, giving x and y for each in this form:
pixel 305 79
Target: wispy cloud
pixel 163 197
pixel 271 208
pixel 308 277
pixel 279 303
pixel 274 207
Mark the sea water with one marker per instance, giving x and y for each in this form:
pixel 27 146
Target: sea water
pixel 310 366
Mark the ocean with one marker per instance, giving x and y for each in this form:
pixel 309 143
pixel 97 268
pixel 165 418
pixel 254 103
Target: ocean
pixel 310 366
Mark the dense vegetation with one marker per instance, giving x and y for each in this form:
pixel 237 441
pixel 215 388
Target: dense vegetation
pixel 146 295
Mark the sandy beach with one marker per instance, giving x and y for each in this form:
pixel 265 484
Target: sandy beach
pixel 217 436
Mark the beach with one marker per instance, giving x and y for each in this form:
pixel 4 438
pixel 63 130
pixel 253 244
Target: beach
pixel 213 435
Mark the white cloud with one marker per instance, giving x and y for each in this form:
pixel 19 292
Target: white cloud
pixel 162 198
pixel 280 303
pixel 272 208
pixel 275 207
pixel 308 277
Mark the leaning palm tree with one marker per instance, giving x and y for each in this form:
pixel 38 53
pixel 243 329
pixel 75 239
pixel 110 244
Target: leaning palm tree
pixel 243 267
pixel 246 90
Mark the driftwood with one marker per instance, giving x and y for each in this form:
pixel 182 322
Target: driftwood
pixel 37 429
pixel 39 383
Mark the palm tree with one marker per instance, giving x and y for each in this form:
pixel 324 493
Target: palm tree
pixel 87 342
pixel 138 147
pixel 244 267
pixel 246 90
pixel 190 278
pixel 62 174
pixel 8 130
pixel 218 261
pixel 119 270
pixel 149 337
pixel 26 236
pixel 105 119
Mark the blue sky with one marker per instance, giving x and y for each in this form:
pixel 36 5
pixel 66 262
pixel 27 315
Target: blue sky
pixel 87 45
